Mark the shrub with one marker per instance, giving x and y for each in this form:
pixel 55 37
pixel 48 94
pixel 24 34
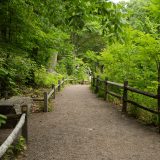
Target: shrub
pixel 44 78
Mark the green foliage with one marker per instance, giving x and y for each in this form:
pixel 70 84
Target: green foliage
pixel 144 15
pixel 44 78
pixel 31 32
pixel 66 64
pixel 2 119
pixel 15 150
pixel 120 41
pixel 136 59
pixel 20 146
pixel 81 70
pixel 15 68
pixel 73 67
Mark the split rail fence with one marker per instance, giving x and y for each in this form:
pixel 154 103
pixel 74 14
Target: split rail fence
pixel 96 83
pixel 58 87
pixel 47 95
pixel 21 127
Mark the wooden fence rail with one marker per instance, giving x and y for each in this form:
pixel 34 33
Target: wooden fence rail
pixel 22 125
pixel 47 96
pixel 96 82
pixel 54 88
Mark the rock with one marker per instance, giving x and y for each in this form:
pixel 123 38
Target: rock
pixel 18 101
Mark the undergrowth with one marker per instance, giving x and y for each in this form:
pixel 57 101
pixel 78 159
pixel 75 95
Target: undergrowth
pixel 15 150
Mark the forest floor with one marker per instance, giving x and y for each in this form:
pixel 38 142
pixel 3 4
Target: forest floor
pixel 84 127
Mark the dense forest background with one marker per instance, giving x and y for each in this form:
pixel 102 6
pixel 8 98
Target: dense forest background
pixel 43 41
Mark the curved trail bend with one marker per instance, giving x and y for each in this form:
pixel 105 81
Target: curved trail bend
pixel 83 127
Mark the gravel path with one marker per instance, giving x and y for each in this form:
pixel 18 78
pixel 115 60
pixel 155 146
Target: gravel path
pixel 83 127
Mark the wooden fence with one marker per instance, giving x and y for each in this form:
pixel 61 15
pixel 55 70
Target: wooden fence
pixel 22 126
pixel 54 87
pixel 96 82
pixel 47 95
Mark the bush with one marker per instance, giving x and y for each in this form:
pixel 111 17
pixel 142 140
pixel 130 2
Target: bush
pixel 15 69
pixel 44 78
pixel 74 67
pixel 135 61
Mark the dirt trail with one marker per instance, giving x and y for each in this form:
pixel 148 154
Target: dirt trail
pixel 83 127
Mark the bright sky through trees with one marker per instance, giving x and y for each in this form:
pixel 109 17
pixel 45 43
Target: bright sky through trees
pixel 116 1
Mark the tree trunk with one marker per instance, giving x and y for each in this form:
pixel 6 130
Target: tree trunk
pixel 53 62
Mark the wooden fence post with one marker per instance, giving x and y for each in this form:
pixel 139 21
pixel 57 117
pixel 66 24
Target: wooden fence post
pixel 97 85
pixel 158 96
pixel 54 93
pixel 106 89
pixel 125 97
pixel 24 109
pixel 45 102
pixel 59 85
